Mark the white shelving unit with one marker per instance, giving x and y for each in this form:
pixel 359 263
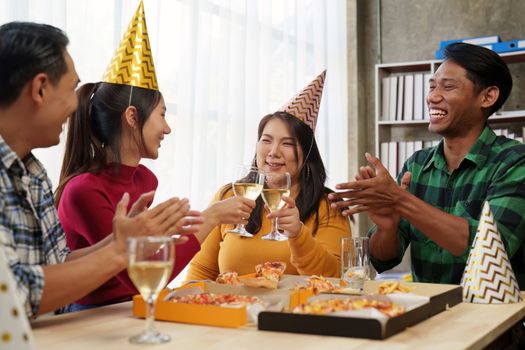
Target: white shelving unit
pixel 392 125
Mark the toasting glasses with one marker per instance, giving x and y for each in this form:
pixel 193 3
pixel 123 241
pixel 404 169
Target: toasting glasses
pixel 150 262
pixel 276 186
pixel 249 184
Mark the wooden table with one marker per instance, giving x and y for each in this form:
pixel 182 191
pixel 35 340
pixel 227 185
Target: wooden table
pixel 465 326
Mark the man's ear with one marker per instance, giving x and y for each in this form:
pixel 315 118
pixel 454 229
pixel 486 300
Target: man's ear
pixel 39 85
pixel 489 96
pixel 130 114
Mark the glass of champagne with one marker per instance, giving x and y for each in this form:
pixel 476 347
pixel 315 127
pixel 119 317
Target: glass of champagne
pixel 249 184
pixel 276 186
pixel 150 263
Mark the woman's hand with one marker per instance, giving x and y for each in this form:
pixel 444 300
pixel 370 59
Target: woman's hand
pixel 190 224
pixel 288 218
pixel 233 210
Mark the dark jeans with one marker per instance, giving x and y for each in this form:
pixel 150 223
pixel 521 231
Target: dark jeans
pixel 78 307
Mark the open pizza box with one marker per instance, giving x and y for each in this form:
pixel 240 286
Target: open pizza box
pixel 213 315
pixel 424 301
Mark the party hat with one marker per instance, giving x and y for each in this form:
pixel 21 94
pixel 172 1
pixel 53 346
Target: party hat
pixel 488 276
pixel 132 64
pixel 305 105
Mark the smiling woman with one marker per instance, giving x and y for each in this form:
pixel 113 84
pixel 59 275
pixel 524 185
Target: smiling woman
pixel 117 123
pixel 286 144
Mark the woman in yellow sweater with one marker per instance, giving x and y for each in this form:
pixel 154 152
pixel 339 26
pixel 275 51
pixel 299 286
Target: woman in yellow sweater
pixel 286 143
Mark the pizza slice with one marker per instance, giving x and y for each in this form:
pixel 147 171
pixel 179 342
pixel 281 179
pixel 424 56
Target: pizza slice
pixel 268 275
pixel 319 284
pixel 271 270
pixel 228 277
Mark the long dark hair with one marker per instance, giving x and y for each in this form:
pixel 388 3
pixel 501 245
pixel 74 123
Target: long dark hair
pixel 312 174
pixel 96 126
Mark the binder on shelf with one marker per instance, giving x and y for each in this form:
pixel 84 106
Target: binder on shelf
pixel 383 156
pixel 426 89
pixel 481 40
pixel 401 155
pixel 418 96
pixel 392 100
pixel 385 96
pixel 509 46
pixel 392 158
pixel 400 96
pixel 410 148
pixel 408 105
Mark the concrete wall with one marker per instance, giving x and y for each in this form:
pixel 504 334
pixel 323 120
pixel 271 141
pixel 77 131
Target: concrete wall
pixel 411 31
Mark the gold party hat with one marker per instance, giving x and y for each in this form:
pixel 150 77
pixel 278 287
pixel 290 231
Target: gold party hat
pixel 305 105
pixel 488 276
pixel 132 64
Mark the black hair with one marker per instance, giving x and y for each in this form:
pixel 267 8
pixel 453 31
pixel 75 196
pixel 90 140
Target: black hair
pixel 312 176
pixel 27 49
pixel 96 126
pixel 484 68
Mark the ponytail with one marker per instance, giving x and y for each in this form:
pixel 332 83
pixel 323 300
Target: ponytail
pixel 84 152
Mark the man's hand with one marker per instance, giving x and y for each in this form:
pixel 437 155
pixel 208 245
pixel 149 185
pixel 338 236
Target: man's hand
pixel 374 190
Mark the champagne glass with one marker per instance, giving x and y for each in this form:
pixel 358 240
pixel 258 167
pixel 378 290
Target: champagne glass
pixel 150 263
pixel 276 186
pixel 249 183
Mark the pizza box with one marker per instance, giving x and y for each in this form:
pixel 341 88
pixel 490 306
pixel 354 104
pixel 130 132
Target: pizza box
pixel 212 315
pixel 362 325
pixel 188 313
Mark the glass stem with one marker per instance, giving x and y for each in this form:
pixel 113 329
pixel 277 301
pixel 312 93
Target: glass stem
pixel 275 229
pixel 150 314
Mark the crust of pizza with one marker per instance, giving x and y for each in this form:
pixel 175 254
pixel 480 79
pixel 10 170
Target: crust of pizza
pixel 228 277
pixel 260 282
pixel 327 306
pixel 390 287
pixel 271 270
pixel 319 284
pixel 215 299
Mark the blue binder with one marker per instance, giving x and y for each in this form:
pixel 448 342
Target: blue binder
pixel 440 52
pixel 509 46
pixel 481 40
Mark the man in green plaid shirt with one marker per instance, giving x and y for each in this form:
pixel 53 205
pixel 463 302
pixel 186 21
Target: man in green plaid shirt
pixel 437 206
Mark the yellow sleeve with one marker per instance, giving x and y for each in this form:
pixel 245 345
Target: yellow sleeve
pixel 320 255
pixel 205 265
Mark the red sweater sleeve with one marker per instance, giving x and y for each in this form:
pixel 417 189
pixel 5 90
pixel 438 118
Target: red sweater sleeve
pixel 86 213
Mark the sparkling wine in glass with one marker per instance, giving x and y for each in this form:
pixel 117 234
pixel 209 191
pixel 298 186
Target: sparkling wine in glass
pixel 276 186
pixel 150 263
pixel 249 184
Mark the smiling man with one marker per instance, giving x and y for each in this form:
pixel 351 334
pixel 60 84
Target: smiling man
pixel 437 207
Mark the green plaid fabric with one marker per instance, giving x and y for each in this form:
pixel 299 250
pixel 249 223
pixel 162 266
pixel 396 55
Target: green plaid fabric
pixel 494 171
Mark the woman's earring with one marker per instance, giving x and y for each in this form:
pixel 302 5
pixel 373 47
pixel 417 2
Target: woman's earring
pixel 307 171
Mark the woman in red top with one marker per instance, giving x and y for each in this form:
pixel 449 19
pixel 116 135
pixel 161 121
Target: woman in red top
pixel 110 132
